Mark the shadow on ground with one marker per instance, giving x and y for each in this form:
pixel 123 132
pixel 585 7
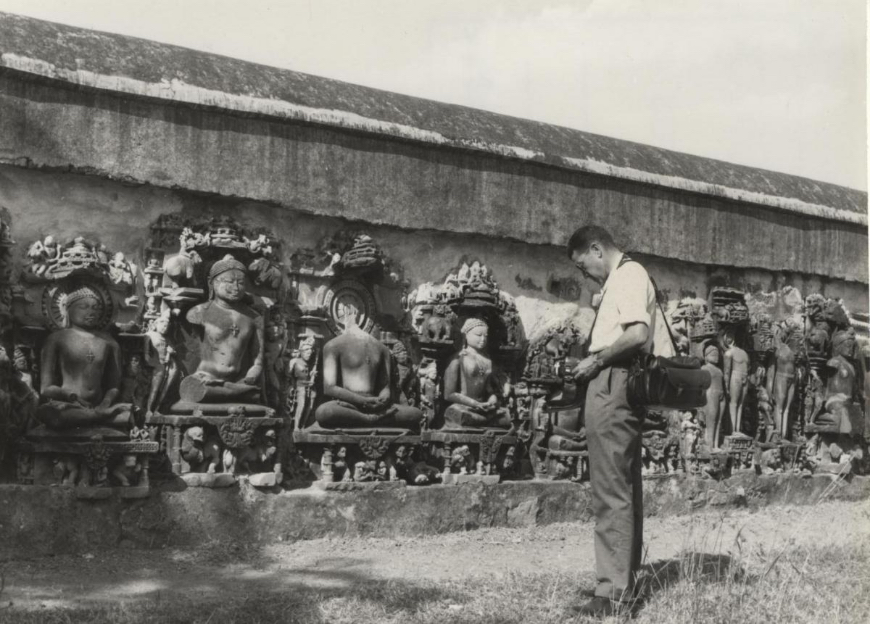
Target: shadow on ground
pixel 180 587
pixel 702 568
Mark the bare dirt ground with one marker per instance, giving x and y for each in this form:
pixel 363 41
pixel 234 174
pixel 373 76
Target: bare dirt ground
pixel 226 571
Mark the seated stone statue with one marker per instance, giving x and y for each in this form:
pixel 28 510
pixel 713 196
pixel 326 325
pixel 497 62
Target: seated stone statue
pixel 470 386
pixel 81 369
pixel 231 352
pixel 356 376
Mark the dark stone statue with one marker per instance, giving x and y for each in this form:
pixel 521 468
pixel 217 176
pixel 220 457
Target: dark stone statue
pixel 231 352
pixel 356 377
pixel 81 369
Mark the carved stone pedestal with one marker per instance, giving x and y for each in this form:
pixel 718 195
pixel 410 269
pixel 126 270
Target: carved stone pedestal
pixel 210 450
pixel 88 458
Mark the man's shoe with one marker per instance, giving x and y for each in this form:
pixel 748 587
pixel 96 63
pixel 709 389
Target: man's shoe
pixel 599 607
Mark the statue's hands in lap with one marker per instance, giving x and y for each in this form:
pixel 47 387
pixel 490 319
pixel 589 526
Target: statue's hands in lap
pixel 213 382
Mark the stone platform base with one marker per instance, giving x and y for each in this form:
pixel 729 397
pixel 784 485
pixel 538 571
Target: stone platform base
pixel 42 520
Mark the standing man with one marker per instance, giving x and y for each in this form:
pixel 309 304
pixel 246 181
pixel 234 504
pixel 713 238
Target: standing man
pixel 622 328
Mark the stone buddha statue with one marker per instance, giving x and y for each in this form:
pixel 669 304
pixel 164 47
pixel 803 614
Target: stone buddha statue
pixel 81 369
pixel 356 377
pixel 231 351
pixel 470 386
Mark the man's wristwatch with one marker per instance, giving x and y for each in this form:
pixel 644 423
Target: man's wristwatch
pixel 599 361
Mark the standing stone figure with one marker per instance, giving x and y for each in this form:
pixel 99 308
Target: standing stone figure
pixel 300 374
pixel 736 371
pixel 715 406
pixel 470 386
pixel 80 371
pixel 163 361
pixel 231 352
pixel 781 382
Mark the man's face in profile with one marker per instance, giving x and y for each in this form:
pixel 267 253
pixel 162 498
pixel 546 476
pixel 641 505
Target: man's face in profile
pixel 591 263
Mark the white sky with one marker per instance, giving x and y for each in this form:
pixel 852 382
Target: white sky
pixel 778 84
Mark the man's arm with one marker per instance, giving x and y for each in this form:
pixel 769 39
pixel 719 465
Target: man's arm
pixel 632 339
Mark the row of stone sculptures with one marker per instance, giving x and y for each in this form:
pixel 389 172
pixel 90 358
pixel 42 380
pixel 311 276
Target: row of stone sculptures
pixel 216 361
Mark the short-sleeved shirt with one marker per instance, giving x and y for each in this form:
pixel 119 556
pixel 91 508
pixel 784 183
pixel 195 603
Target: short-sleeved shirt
pixel 627 297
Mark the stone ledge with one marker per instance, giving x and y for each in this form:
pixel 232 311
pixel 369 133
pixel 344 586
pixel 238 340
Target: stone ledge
pixel 43 520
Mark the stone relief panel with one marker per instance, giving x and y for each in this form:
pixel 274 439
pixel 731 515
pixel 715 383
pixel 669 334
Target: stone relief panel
pixel 213 354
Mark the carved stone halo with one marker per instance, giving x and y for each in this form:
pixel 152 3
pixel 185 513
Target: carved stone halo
pixel 347 294
pixel 51 300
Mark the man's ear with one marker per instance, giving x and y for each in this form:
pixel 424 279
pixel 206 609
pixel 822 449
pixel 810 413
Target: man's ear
pixel 596 247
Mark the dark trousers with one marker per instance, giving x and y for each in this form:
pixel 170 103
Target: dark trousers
pixel 613 430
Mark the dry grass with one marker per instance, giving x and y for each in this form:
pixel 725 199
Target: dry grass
pixel 794 585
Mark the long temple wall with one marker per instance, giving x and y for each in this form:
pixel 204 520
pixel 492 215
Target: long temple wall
pixel 328 174
pixel 545 283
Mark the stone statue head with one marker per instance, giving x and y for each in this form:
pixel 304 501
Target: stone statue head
pixel 843 343
pixel 400 353
pixel 711 354
pixel 306 348
pixel 227 279
pixel 475 332
pixel 195 433
pixel 82 308
pixel 160 324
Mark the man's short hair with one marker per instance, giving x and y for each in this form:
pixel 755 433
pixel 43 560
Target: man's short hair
pixel 583 238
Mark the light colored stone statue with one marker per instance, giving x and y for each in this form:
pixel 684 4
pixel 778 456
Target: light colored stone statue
pixel 231 352
pixel 163 361
pixel 470 386
pixel 300 373
pixel 781 382
pixel 81 369
pixel 736 372
pixel 356 377
pixel 715 406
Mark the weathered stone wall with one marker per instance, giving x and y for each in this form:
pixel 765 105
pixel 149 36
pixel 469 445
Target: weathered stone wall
pixel 305 168
pixel 40 520
pixel 546 284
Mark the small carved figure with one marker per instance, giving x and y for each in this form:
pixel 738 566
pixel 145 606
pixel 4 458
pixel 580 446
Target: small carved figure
pixel 22 367
pixel 129 471
pixel 80 369
pixel 121 271
pixel 715 406
pixel 341 469
pixel 163 361
pixel 470 385
pixel 276 343
pixel 356 377
pixel 231 351
pixel 260 456
pixel 42 254
pixel 461 460
pixel 840 409
pixel 266 273
pixel 736 373
pixel 203 455
pixel 405 378
pixel 300 379
pixel 66 470
pixel 180 267
pixel 365 471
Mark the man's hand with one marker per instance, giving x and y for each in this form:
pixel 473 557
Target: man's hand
pixel 587 368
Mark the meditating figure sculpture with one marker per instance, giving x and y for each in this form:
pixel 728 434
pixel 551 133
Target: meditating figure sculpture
pixel 356 377
pixel 470 386
pixel 715 406
pixel 80 372
pixel 231 351
pixel 736 371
